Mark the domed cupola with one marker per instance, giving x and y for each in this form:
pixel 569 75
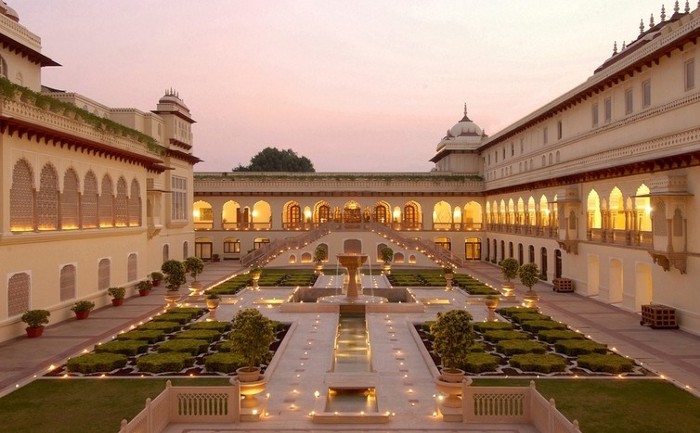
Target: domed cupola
pixel 8 11
pixel 457 152
pixel 172 97
pixel 465 127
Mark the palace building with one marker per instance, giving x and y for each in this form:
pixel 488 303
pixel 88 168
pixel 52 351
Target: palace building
pixel 92 196
pixel 598 186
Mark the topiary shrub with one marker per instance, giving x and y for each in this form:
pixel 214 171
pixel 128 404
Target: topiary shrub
pixel 509 269
pixel 453 334
pixel 175 275
pixel 512 347
pixel 167 327
pixel 192 311
pixel 252 334
pixel 610 363
pixel 214 326
pixel 496 336
pixel 481 290
pixel 476 347
pixel 480 362
pixel 224 362
pixel 227 346
pixel 554 335
pixel 173 317
pixel 164 362
pixel 186 345
pixel 538 363
pixel 541 325
pixel 209 335
pixel 151 336
pixel 96 363
pixel 520 317
pixel 509 311
pixel 493 326
pixel 125 347
pixel 579 347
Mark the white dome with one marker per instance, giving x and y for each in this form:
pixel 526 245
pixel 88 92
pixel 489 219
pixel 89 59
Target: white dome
pixel 464 132
pixel 465 127
pixel 8 11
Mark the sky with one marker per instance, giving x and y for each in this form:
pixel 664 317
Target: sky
pixel 355 86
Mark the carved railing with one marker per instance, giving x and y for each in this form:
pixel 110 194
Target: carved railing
pixel 427 248
pixel 259 255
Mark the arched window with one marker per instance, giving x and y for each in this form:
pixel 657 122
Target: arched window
pixel 132 267
pixel 543 259
pixel 106 205
pixel 324 214
pixel 121 204
pixel 22 198
pixel 166 252
pixel 185 250
pixel 381 214
pixel 104 270
pixel 3 67
pixel 47 199
pixel 135 204
pixel 659 219
pixel 67 282
pixel 89 202
pixel 70 203
pixel 593 209
pixel 18 288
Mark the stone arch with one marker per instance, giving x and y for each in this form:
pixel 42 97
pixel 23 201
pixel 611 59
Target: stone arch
pixel 22 197
pixel 232 216
pixel 472 215
pixel 132 267
pixel 67 280
pixel 89 203
pixel 121 204
pixel 442 215
pixel 104 271
pixel 135 204
pixel 106 202
pixel 291 214
pixel 617 210
pixel 202 215
pixel 70 201
pixel 593 210
pixel 47 199
pixel 262 215
pixel 18 290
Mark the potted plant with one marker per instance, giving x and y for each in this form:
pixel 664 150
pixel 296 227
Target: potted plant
pixel 509 270
pixel 452 335
pixel 213 301
pixel 215 257
pixel 386 255
pixel 82 309
pixel 194 266
pixel 320 255
pixel 157 277
pixel 144 287
pixel 117 294
pixel 255 274
pixel 529 276
pixel 252 334
pixel 35 320
pixel 449 275
pixel 175 276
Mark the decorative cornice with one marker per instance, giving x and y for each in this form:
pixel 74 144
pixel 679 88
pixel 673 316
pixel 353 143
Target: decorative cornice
pixel 34 56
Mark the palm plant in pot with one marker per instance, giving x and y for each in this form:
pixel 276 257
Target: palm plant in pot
pixel 117 294
pixel 509 270
pixel 35 320
pixel 175 276
pixel 529 276
pixel 82 309
pixel 252 334
pixel 452 335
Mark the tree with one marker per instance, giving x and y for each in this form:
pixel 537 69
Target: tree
pixel 273 159
pixel 453 334
pixel 509 269
pixel 529 275
pixel 175 275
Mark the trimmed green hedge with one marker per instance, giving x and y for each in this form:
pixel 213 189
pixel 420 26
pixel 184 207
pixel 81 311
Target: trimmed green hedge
pixel 96 363
pixel 216 326
pixel 509 311
pixel 554 335
pixel 579 347
pixel 186 345
pixel 168 327
pixel 125 347
pixel 477 346
pixel 496 336
pixel 210 335
pixel 539 363
pixel 480 362
pixel 173 317
pixel 611 363
pixel 227 346
pixel 150 336
pixel 541 325
pixel 192 311
pixel 523 317
pixel 224 362
pixel 512 347
pixel 164 362
pixel 493 326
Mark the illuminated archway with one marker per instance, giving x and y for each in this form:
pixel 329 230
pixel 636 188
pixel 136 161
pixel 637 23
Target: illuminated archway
pixel 593 210
pixel 472 216
pixel 202 215
pixel 442 216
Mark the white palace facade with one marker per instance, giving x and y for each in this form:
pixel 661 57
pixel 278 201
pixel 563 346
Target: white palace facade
pixel 92 196
pixel 599 186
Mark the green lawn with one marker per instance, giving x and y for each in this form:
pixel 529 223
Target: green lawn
pixel 81 405
pixel 618 406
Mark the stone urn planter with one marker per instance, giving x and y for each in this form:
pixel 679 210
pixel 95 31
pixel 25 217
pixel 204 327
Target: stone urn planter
pixel 171 297
pixel 452 390
pixel 255 274
pixel 454 375
pixel 491 303
pixel 213 301
pixel 248 374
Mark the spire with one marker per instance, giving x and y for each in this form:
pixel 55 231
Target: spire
pixel 676 8
pixel 615 48
pixel 651 21
pixel 624 45
pixel 465 109
pixel 641 27
pixel 663 13
pixel 687 6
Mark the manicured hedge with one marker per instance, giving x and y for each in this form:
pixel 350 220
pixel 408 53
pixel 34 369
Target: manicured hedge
pixel 96 362
pixel 164 362
pixel 481 290
pixel 493 326
pixel 168 327
pixel 210 335
pixel 186 345
pixel 192 311
pixel 150 336
pixel 496 336
pixel 224 362
pixel 554 335
pixel 512 347
pixel 214 325
pixel 541 325
pixel 480 362
pixel 610 363
pixel 540 363
pixel 173 317
pixel 579 347
pixel 227 346
pixel 523 317
pixel 125 347
pixel 508 311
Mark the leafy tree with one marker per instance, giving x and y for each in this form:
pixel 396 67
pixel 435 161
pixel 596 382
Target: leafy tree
pixel 453 334
pixel 509 269
pixel 273 159
pixel 529 275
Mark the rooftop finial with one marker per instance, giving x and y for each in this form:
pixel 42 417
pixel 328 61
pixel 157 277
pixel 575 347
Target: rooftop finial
pixel 687 6
pixel 676 8
pixel 651 21
pixel 615 48
pixel 663 13
pixel 624 45
pixel 641 27
pixel 465 109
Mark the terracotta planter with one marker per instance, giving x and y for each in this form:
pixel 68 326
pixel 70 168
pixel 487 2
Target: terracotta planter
pixel 35 331
pixel 117 301
pixel 82 315
pixel 213 304
pixel 246 374
pixel 453 375
pixel 144 292
pixel 156 283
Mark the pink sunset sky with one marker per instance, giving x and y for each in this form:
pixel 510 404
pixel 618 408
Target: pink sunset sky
pixel 352 85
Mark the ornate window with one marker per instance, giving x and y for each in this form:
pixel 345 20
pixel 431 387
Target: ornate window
pixel 67 278
pixel 89 202
pixel 179 198
pixel 47 199
pixel 135 204
pixel 104 269
pixel 18 294
pixel 106 202
pixel 132 267
pixel 70 209
pixel 121 203
pixel 166 252
pixel 22 198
